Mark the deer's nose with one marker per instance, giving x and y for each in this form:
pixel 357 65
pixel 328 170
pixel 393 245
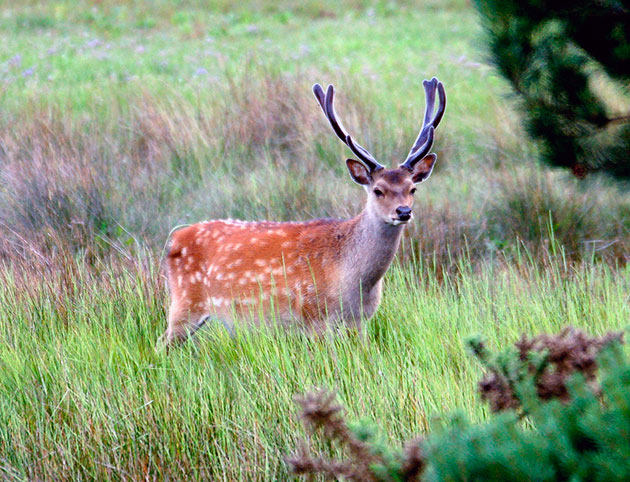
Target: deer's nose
pixel 404 213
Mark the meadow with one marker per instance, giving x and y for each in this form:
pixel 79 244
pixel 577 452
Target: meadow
pixel 120 120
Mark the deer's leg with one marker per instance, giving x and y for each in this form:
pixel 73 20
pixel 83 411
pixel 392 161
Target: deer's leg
pixel 184 318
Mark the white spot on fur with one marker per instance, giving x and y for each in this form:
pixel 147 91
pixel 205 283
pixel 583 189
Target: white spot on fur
pixel 179 280
pixel 261 262
pixel 184 251
pixel 198 275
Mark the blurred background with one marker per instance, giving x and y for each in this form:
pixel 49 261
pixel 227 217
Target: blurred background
pixel 121 120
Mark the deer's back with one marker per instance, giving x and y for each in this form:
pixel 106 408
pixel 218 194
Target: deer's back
pixel 290 268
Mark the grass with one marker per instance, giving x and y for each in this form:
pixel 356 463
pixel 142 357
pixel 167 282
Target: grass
pixel 123 119
pixel 93 400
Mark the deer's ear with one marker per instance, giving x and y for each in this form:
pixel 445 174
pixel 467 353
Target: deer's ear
pixel 358 172
pixel 423 168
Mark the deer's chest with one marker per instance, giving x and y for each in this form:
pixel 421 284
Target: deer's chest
pixel 353 302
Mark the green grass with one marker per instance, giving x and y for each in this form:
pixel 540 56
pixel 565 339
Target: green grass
pixel 88 397
pixel 123 119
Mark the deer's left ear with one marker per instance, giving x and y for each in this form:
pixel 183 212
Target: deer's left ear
pixel 358 172
pixel 423 168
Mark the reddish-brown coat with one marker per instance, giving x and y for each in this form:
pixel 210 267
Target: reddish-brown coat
pixel 231 268
pixel 313 272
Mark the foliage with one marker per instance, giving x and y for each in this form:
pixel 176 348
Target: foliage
pixel 370 460
pixel 573 389
pixel 556 55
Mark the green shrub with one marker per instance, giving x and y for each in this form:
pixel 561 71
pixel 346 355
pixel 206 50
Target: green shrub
pixel 569 64
pixel 562 412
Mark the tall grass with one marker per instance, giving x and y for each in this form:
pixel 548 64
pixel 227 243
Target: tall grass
pixel 86 395
pixel 122 175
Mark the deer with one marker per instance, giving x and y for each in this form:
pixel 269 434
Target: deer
pixel 318 274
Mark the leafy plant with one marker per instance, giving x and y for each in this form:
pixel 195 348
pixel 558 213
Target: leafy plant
pixel 572 390
pixel 557 55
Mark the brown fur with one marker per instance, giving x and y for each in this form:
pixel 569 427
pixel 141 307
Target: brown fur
pixel 313 273
pixel 219 266
pixel 316 273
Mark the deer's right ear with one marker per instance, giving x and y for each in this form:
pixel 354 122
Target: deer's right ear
pixel 358 172
pixel 423 168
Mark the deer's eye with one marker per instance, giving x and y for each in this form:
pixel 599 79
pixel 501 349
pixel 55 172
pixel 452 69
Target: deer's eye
pixel 413 190
pixel 378 193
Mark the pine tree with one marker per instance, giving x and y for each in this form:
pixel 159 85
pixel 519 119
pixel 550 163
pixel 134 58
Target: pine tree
pixel 555 53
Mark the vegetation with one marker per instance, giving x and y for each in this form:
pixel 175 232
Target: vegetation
pixel 570 66
pixel 121 120
pixel 579 421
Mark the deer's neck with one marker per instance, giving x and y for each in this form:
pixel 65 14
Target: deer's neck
pixel 370 249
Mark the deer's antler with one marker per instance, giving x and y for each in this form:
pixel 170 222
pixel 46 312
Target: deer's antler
pixel 326 103
pixel 424 141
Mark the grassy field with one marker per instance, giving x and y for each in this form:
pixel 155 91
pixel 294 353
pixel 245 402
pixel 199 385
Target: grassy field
pixel 120 120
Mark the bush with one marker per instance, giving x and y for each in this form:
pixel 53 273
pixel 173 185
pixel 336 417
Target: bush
pixel 569 65
pixel 562 412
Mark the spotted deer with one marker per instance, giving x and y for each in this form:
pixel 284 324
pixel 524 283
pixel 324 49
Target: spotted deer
pixel 317 273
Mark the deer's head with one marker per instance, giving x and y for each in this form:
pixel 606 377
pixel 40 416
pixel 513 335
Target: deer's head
pixel 390 191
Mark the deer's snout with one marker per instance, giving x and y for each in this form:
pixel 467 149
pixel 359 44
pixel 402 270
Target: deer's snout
pixel 404 213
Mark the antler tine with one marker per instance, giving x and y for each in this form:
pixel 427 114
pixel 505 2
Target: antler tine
pixel 362 153
pixel 326 102
pixel 442 107
pixel 429 92
pixel 424 141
